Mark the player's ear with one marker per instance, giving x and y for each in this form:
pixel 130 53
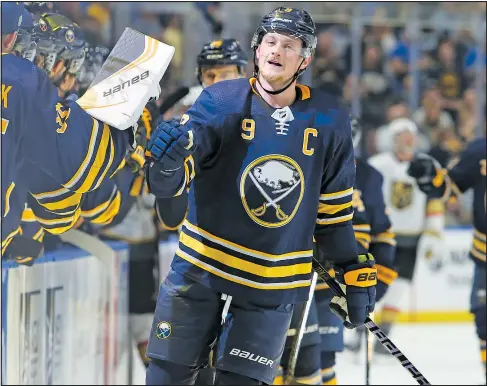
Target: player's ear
pixel 305 64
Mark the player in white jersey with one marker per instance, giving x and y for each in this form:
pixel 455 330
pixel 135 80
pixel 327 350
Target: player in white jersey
pixel 417 222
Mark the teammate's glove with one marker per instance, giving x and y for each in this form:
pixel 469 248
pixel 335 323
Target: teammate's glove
pixel 170 145
pixel 135 158
pixel 358 281
pixel 427 171
pixel 431 248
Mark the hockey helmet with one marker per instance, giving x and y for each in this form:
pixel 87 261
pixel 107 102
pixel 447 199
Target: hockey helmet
pixel 221 52
pixel 292 21
pixel 25 44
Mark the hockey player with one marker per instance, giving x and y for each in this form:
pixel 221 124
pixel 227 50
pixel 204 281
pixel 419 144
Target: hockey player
pixel 105 205
pixel 56 137
pixel 270 164
pixel 221 59
pixel 467 172
pixel 417 221
pixel 373 235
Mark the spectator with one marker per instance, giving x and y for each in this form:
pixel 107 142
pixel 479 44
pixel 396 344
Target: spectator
pixel 399 62
pixel 467 115
pixel 375 85
pixel 430 117
pixel 450 78
pixel 174 37
pixel 148 23
pixel 329 68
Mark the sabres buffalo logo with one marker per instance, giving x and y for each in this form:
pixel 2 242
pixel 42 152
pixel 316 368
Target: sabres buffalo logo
pixel 42 25
pixel 69 36
pixel 271 189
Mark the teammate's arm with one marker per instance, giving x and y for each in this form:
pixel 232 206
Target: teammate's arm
pixel 382 239
pixel 78 151
pixel 440 183
pixel 335 237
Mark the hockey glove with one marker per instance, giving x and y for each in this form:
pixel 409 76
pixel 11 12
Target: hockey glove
pixel 428 174
pixel 135 158
pixel 358 282
pixel 170 145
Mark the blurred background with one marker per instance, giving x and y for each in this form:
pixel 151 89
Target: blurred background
pixel 421 60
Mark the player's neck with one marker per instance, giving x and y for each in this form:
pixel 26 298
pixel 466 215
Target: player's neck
pixel 283 99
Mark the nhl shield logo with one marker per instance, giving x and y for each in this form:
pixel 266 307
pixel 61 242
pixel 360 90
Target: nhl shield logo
pixel 271 189
pixel 402 194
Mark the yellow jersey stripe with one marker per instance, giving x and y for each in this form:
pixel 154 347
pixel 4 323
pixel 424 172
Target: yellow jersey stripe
pixel 110 161
pixel 70 201
pixel 335 220
pixel 333 196
pixel 28 215
pixel 7 198
pixel 39 234
pixel 243 265
pixel 479 245
pixel 109 214
pixel 362 236
pixel 479 235
pixel 385 274
pixel 361 227
pixel 364 243
pixel 9 238
pixel 122 164
pixel 333 209
pixel 387 235
pixel 239 280
pixel 478 255
pixel 244 250
pixel 95 168
pixel 384 240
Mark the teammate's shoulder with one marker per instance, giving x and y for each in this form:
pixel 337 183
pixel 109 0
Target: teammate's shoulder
pixel 369 171
pixel 228 96
pixel 478 146
pixel 17 69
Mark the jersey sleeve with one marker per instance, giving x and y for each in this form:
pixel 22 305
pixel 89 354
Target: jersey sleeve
pixel 334 232
pixel 65 142
pixel 171 212
pixel 382 239
pixel 465 173
pixel 203 120
pixel 53 222
pixel 110 203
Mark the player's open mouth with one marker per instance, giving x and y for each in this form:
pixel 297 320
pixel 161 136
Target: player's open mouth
pixel 274 63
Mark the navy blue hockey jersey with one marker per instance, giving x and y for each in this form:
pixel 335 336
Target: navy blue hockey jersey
pixel 371 223
pixel 264 180
pixel 56 137
pixel 469 173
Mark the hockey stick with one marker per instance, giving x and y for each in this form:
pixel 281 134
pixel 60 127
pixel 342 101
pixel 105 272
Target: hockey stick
pixel 372 327
pixel 368 353
pixel 293 356
pixel 90 244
